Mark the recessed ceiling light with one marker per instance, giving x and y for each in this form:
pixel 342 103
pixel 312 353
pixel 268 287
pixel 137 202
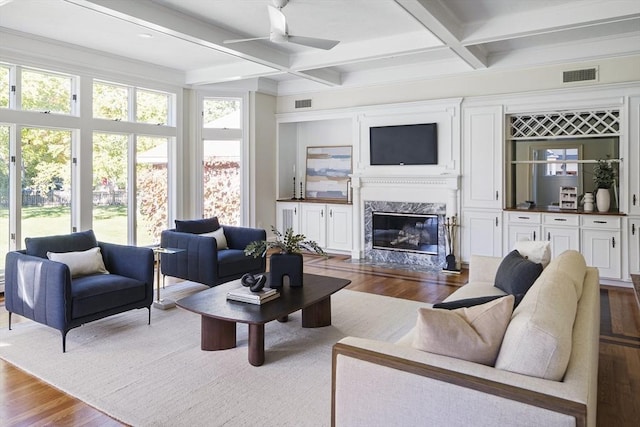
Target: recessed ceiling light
pixel 145 35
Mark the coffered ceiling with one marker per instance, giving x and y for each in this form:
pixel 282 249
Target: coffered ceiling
pixel 380 41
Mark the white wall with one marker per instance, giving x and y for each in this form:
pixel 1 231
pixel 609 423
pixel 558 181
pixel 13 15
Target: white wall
pixel 262 158
pixel 476 83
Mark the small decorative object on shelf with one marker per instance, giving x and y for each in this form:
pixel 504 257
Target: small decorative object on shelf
pixel 294 189
pixel 289 261
pixel 568 197
pixel 450 225
pixel 301 192
pixel 588 202
pixel 604 178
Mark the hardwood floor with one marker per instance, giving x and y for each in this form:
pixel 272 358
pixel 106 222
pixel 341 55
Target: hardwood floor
pixel 27 401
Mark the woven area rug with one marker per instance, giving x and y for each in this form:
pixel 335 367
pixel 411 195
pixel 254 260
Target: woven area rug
pixel 156 375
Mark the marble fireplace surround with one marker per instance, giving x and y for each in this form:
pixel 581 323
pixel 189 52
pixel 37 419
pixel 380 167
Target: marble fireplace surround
pixel 436 195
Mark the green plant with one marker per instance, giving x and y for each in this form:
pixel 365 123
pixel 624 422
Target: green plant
pixel 603 174
pixel 288 243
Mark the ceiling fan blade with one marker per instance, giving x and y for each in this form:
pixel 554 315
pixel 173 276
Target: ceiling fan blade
pixel 245 40
pixel 313 42
pixel 278 20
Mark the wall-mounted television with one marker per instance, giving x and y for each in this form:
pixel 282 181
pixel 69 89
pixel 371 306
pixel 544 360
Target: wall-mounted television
pixel 404 144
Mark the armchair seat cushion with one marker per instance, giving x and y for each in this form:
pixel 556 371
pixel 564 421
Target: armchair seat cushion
pixel 233 262
pixel 100 292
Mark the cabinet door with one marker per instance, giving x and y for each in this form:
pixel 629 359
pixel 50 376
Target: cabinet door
pixel 633 230
pixel 601 249
pixel 482 157
pixel 634 155
pixel 562 239
pixel 288 216
pixel 519 233
pixel 314 222
pixel 482 234
pixel 339 233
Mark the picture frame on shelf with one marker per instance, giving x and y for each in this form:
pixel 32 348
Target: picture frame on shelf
pixel 327 172
pixel 568 198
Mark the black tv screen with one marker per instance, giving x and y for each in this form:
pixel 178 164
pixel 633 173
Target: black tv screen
pixel 404 145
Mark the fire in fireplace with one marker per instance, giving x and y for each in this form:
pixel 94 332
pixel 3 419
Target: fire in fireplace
pixel 405 232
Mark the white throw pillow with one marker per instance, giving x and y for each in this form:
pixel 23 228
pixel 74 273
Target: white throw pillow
pixel 471 333
pixel 538 251
pixel 81 263
pixel 221 239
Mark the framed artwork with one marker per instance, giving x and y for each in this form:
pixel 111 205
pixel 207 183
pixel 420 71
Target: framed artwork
pixel 328 170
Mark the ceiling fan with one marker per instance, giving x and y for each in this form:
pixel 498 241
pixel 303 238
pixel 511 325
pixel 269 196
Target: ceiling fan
pixel 280 34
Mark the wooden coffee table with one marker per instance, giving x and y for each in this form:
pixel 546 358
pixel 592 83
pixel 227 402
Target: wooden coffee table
pixel 219 315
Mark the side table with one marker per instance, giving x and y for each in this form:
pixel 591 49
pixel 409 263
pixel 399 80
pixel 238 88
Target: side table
pixel 160 303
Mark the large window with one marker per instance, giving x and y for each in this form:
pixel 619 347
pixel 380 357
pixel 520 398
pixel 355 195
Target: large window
pixel 46 92
pixel 46 181
pixel 4 86
pixel 110 187
pixel 53 180
pixel 221 159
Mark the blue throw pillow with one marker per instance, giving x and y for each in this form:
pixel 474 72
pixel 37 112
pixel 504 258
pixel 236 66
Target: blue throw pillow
pixel 74 242
pixel 516 274
pixel 198 226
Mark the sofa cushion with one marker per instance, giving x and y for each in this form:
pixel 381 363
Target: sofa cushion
pixel 81 241
pixel 100 292
pixel 197 226
pixel 516 274
pixel 573 264
pixel 472 334
pixel 233 262
pixel 81 263
pixel 538 251
pixel 221 240
pixel 538 339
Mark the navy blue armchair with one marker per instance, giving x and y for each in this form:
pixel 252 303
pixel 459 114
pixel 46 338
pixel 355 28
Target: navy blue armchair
pixel 203 261
pixel 45 291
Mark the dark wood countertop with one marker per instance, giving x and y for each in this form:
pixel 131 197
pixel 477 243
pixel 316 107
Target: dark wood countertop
pixel 331 201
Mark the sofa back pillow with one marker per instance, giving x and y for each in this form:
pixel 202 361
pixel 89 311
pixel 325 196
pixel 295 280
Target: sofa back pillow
pixel 538 340
pixel 516 274
pixel 538 251
pixel 197 226
pixel 471 333
pixel 221 239
pixel 81 241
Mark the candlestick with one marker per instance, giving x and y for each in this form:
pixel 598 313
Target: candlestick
pixel 301 192
pixel 294 189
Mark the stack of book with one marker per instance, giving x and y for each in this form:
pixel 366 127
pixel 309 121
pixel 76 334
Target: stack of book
pixel 244 294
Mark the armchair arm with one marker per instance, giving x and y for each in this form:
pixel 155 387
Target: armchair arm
pixel 129 261
pixel 199 261
pixel 240 237
pixel 38 289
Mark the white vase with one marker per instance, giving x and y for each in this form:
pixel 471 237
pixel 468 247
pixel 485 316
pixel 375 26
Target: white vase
pixel 603 199
pixel 588 202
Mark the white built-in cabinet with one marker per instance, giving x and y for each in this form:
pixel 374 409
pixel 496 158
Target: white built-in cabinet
pixel 482 233
pixel 601 244
pixel 562 230
pixel 288 216
pixel 328 224
pixel 483 139
pixel 633 239
pixel 634 155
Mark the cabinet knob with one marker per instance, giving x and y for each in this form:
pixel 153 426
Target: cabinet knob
pixel 523 217
pixel 496 221
pixel 613 242
pixel 496 194
pixel 321 213
pixel 548 235
pixel 534 235
pixel 635 199
pixel 331 213
pixel 559 219
pixel 633 229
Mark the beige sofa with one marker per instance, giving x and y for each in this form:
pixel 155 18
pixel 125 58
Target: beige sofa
pixel 381 383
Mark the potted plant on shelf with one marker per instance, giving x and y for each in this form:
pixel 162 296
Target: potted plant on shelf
pixel 288 261
pixel 604 178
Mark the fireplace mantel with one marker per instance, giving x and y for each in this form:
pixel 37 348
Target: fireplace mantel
pixel 448 182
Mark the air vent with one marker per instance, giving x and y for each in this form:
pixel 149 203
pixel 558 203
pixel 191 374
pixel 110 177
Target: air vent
pixel 580 75
pixel 303 103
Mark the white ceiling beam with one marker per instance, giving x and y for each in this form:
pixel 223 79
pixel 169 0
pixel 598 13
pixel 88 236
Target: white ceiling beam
pixel 158 18
pixel 227 72
pixel 549 19
pixel 443 25
pixel 321 75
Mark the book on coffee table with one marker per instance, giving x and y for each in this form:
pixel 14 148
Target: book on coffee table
pixel 244 294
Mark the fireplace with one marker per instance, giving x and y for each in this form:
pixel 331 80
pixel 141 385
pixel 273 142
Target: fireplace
pixel 405 232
